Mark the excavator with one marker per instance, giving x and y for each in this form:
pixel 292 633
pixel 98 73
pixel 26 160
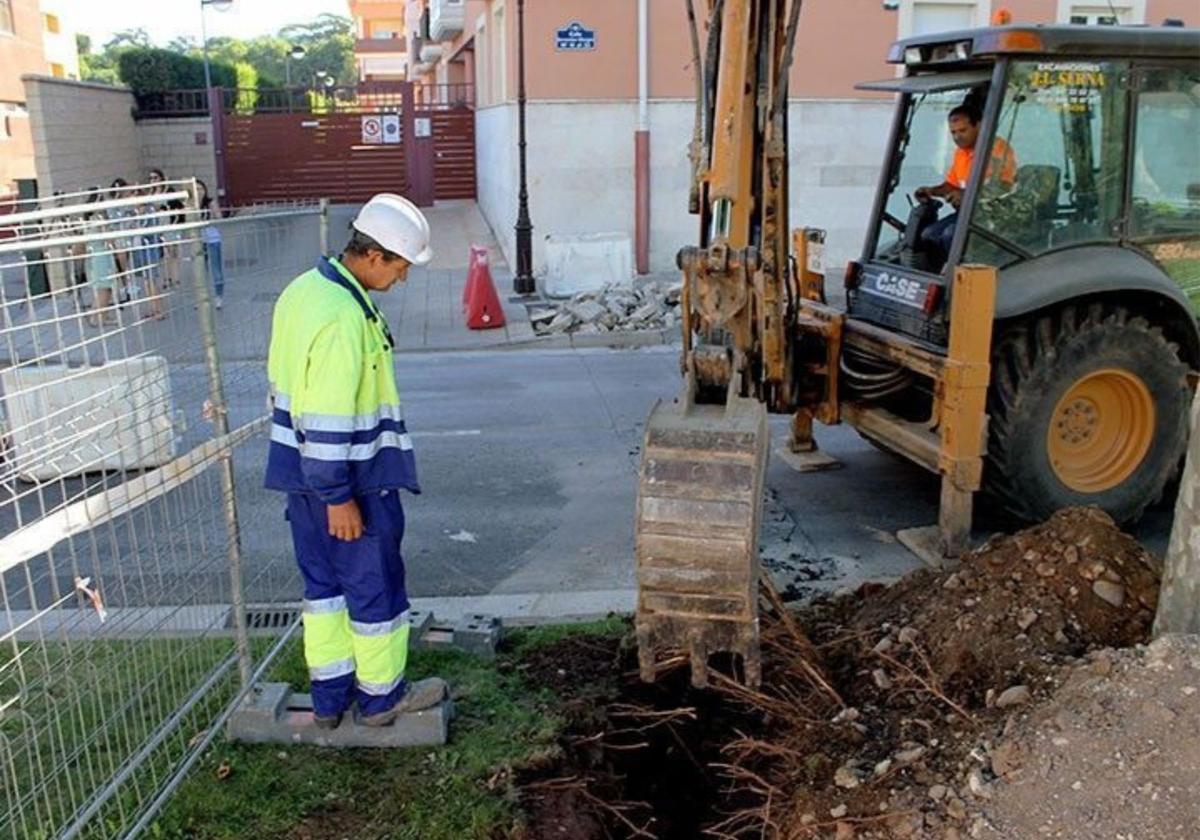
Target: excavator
pixel 1046 358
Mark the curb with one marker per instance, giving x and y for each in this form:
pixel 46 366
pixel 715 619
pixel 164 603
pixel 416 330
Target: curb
pixel 614 341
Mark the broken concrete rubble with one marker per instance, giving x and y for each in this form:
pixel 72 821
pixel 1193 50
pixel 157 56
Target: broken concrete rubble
pixel 641 305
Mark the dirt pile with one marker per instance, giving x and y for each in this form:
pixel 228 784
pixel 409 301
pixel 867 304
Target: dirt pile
pixel 1114 753
pixel 931 671
pixel 886 713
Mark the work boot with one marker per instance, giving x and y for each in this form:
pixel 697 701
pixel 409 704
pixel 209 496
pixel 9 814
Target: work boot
pixel 327 721
pixel 424 694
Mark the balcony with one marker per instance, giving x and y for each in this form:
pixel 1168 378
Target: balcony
pixel 367 46
pixel 446 19
pixel 430 53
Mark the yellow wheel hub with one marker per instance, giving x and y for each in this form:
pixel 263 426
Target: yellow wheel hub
pixel 1101 430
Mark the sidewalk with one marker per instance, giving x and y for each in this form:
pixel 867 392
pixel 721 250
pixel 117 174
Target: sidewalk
pixel 425 313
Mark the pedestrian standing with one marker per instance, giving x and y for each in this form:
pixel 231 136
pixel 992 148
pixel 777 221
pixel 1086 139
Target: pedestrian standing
pixel 101 263
pixel 340 450
pixel 210 235
pixel 121 218
pixel 148 251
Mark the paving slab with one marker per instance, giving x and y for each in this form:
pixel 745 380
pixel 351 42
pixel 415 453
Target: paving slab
pixel 273 714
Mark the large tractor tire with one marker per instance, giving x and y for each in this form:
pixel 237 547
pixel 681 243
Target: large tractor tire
pixel 1088 406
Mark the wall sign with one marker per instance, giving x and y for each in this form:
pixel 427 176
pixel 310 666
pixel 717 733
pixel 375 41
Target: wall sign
pixel 574 37
pixel 423 127
pixel 372 129
pixel 391 128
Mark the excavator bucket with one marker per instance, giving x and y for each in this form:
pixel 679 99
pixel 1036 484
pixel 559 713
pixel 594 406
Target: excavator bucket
pixel 699 509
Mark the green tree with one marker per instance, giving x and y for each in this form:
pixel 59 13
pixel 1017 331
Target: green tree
pixel 138 37
pixel 95 67
pixel 328 42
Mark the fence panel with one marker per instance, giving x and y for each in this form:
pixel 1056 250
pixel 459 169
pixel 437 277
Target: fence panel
pixel 133 330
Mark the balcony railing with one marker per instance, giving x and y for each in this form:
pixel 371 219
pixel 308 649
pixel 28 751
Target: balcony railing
pixel 380 45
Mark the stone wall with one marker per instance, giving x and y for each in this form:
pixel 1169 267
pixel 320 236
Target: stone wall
pixel 180 147
pixel 85 135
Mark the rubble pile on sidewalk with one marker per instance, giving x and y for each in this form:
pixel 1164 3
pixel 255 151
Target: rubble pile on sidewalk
pixel 645 305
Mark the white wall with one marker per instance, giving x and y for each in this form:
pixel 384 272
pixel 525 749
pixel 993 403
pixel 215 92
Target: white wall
pixel 496 173
pixel 581 177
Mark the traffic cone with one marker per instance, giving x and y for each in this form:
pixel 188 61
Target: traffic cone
pixel 483 309
pixel 478 264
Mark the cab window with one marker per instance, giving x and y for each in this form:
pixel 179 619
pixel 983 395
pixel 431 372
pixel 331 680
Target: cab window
pixel 1165 218
pixel 1065 122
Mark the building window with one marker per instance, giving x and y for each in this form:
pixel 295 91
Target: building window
pixel 52 24
pixel 6 17
pixel 386 28
pixel 57 70
pixel 1119 12
pixel 921 17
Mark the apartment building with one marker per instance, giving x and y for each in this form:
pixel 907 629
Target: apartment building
pixel 33 40
pixel 583 114
pixel 58 41
pixel 380 42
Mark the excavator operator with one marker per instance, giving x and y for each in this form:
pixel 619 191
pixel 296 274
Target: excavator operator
pixel 964 129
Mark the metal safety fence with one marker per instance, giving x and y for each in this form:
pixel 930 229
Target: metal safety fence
pixel 133 332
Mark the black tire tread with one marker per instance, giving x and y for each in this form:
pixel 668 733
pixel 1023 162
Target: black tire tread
pixel 1021 350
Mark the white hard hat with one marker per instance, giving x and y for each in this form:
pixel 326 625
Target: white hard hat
pixel 395 223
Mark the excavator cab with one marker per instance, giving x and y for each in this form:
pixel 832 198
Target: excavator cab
pixel 1054 169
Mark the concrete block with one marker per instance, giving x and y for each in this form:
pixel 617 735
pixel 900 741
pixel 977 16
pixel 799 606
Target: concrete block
pixel 272 714
pixel 478 633
pixel 587 262
pixel 474 633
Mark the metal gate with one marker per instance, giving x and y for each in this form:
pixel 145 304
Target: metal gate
pixel 347 144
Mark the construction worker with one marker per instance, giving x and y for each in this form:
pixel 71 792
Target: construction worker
pixel 340 450
pixel 963 123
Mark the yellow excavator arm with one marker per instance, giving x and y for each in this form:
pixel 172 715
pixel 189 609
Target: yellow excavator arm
pixel 704 457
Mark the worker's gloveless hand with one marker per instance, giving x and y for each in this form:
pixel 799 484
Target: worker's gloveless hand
pixel 345 522
pixel 955 198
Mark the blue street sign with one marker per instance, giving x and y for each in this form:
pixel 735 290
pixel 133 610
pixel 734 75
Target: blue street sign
pixel 575 37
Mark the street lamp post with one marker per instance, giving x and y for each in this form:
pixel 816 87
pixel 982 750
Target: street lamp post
pixel 220 5
pixel 523 283
pixel 294 54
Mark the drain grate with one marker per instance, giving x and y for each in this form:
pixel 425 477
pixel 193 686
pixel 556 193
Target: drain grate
pixel 267 618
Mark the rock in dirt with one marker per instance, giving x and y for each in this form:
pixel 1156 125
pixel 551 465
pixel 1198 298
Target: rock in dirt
pixel 1109 592
pixel 846 777
pixel 911 755
pixel 1015 696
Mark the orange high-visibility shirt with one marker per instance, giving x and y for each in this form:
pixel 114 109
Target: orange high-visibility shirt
pixel 1002 156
